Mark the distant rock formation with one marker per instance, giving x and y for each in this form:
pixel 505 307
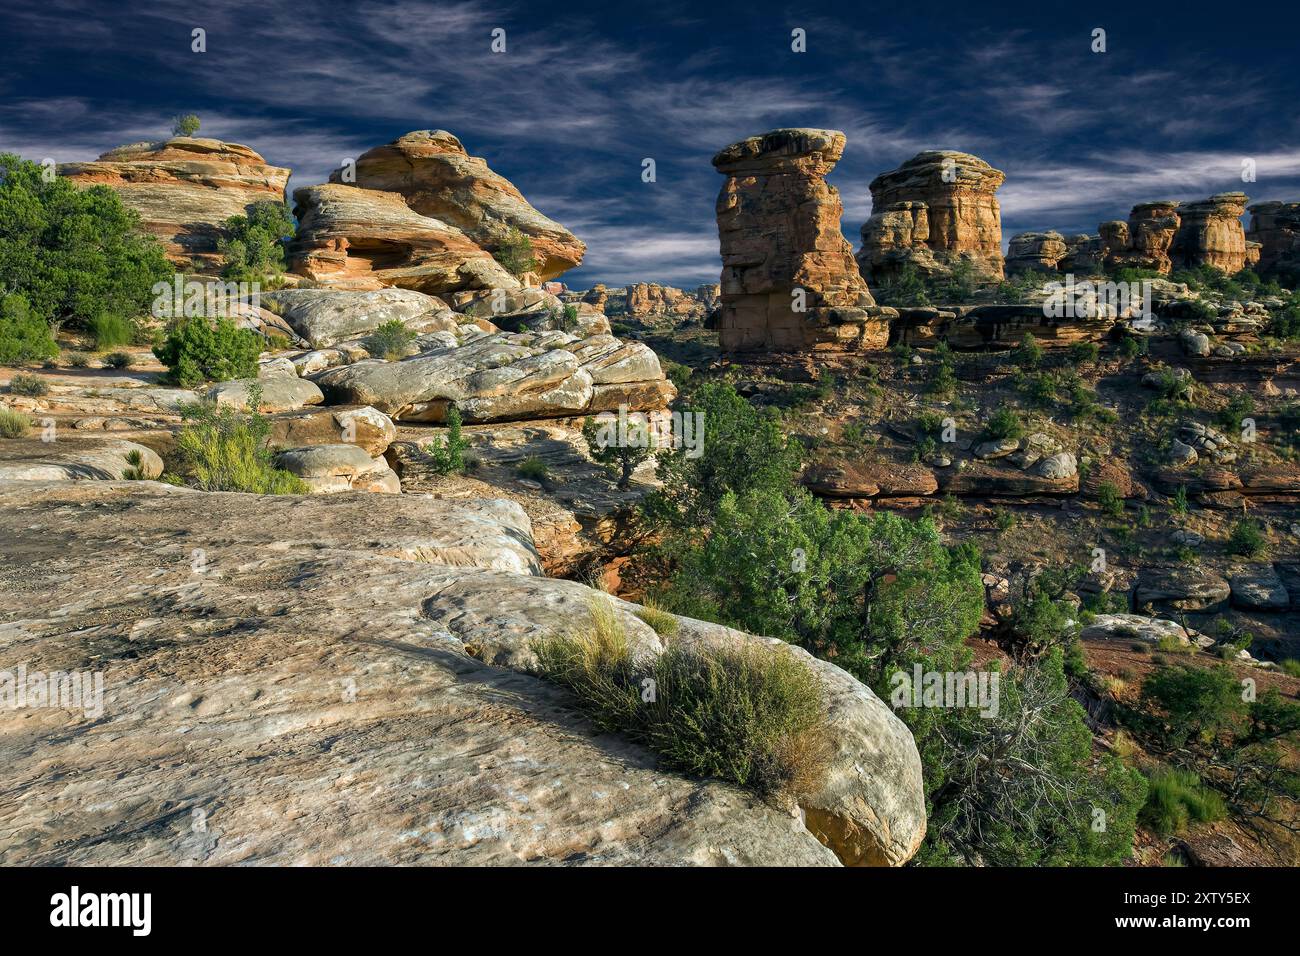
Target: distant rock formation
pixel 789 282
pixel 1035 251
pixel 649 302
pixel 438 179
pixel 184 190
pixel 935 210
pixel 1145 240
pixel 1276 227
pixel 1161 235
pixel 352 238
pixel 1210 233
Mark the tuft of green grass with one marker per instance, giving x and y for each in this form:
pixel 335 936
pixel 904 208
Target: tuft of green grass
pixel 1247 538
pixel 1177 798
pixel 532 467
pixel 13 424
pixel 1290 666
pixel 753 716
pixel 663 623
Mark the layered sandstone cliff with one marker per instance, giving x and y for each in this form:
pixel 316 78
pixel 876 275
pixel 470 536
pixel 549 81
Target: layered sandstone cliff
pixel 184 190
pixel 1210 233
pixel 1275 226
pixel 789 281
pixel 432 171
pixel 935 210
pixel 354 238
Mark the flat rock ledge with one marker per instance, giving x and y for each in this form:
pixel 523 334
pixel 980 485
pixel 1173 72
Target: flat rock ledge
pixel 343 679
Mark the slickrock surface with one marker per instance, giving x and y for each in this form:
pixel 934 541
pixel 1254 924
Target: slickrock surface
pixel 433 172
pixel 281 688
pixel 325 317
pixel 185 189
pixel 354 238
pixel 779 228
pixel 508 376
pixel 936 209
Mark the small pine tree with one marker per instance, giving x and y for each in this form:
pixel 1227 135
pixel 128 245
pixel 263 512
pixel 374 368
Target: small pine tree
pixel 186 124
pixel 448 456
pixel 515 253
pixel 619 457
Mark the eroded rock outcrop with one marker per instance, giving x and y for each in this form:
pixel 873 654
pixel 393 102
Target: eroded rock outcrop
pixel 365 239
pixel 1144 241
pixel 650 302
pixel 508 376
pixel 184 190
pixel 1210 233
pixel 345 685
pixel 439 179
pixel 789 281
pixel 1035 252
pixel 1276 227
pixel 935 210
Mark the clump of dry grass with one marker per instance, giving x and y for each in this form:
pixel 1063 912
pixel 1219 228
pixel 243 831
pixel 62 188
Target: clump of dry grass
pixel 752 715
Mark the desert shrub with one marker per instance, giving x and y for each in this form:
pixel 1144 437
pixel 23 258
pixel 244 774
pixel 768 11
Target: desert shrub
pixel 1290 666
pixel 1229 418
pixel 253 250
pixel 746 449
pixel 390 340
pixel 1131 346
pixel 749 715
pixel 77 359
pixel 223 449
pixel 109 330
pixel 906 288
pixel 1003 423
pixel 619 454
pixel 1084 353
pixel 1110 500
pixel 73 254
pixel 1170 386
pixel 185 124
pixel 29 385
pixel 677 373
pixel 13 424
pixel 1178 502
pixel 1028 354
pixel 119 360
pixel 196 350
pixel 533 468
pixel 943 380
pixel 1197 703
pixel 24 337
pixel 1247 538
pixel 1175 798
pixel 447 456
pixel 515 253
pixel 1288 424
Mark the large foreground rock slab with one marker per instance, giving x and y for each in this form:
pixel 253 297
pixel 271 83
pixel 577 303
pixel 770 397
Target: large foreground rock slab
pixel 72 459
pixel 294 680
pixel 324 317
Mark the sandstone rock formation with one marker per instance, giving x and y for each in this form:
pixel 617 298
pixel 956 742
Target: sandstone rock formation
pixel 438 179
pixel 1144 241
pixel 650 303
pixel 184 190
pixel 325 317
pixel 96 459
pixel 508 376
pixel 359 239
pixel 345 687
pixel 1035 252
pixel 937 209
pixel 789 282
pixel 1210 233
pixel 1276 227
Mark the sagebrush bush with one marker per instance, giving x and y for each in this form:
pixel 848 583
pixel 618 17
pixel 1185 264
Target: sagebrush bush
pixel 196 350
pixel 222 449
pixel 119 360
pixel 13 424
pixel 390 340
pixel 1176 798
pixel 752 716
pixel 29 385
pixel 77 359
pixel 532 467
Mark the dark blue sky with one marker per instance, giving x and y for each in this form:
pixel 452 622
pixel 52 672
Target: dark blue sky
pixel 585 92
